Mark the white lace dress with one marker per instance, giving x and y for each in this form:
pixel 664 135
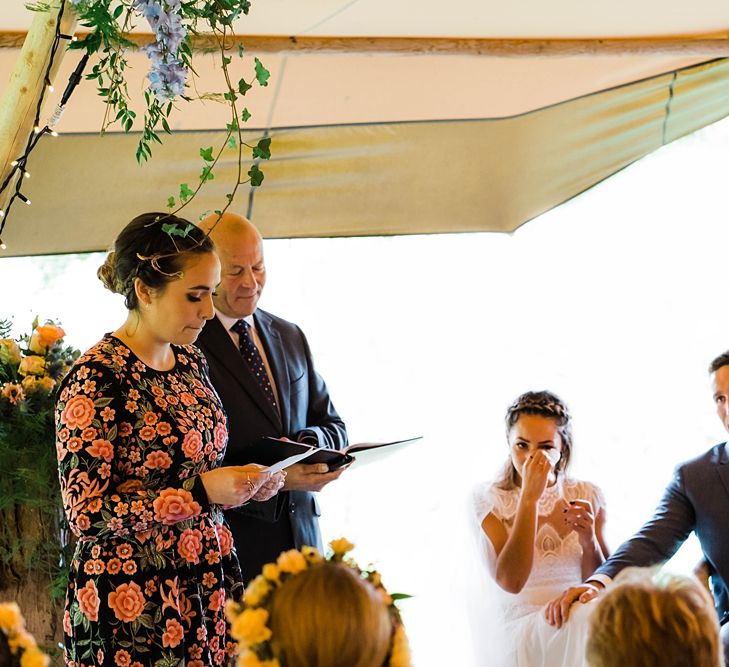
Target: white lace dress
pixel 528 640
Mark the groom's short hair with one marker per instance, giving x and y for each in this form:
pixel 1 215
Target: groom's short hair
pixel 721 360
pixel 648 619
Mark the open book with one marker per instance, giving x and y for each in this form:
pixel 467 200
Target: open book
pixel 367 452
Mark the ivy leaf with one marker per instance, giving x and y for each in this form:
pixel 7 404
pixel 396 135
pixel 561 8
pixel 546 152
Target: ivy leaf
pixel 245 115
pixel 256 175
pixel 227 61
pixel 207 174
pixel 232 143
pixel 207 154
pixel 229 197
pixel 173 229
pixel 263 149
pixel 185 192
pixel 262 74
pixel 244 86
pixel 170 202
pixel 240 50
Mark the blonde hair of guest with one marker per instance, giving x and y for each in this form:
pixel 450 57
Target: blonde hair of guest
pixel 327 616
pixel 651 620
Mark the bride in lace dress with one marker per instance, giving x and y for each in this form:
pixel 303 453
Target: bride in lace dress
pixel 540 532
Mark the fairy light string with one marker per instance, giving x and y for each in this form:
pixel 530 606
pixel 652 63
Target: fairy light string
pixel 19 166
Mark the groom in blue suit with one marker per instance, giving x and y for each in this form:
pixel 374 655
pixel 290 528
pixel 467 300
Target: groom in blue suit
pixel 696 499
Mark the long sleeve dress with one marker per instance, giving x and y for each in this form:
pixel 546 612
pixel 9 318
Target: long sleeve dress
pixel 154 561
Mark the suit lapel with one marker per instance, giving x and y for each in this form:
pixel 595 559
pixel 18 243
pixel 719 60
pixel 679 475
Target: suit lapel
pixel 273 344
pixel 219 344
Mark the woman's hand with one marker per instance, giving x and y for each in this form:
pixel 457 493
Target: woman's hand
pixel 231 486
pixel 580 517
pixel 271 487
pixel 534 475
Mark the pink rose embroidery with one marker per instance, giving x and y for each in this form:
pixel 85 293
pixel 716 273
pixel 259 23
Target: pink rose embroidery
pixel 190 545
pixel 78 413
pixel 173 505
pixel 88 601
pixel 127 602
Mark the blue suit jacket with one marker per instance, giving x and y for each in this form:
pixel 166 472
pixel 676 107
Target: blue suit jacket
pixel 696 499
pixel 262 530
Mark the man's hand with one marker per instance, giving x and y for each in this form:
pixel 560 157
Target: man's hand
pixel 309 477
pixel 558 610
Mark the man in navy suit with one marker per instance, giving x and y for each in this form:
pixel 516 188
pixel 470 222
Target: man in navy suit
pixel 262 368
pixel 696 499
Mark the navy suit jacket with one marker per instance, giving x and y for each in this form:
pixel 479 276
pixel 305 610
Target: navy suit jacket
pixel 289 520
pixel 696 499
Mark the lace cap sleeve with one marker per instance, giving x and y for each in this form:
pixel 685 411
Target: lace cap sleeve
pixel 485 500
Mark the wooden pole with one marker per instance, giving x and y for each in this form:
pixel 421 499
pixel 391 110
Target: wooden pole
pixel 713 46
pixel 27 83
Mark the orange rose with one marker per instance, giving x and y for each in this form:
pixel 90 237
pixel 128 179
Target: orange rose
pixel 173 635
pixel 9 351
pixel 127 602
pixel 173 505
pixel 44 337
pixel 88 601
pixel 101 449
pixel 225 538
pixel 189 545
pixel 79 412
pixel 159 460
pixel 13 393
pixel 192 443
pixel 32 365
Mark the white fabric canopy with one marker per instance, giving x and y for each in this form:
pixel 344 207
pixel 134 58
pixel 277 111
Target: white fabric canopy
pixel 382 144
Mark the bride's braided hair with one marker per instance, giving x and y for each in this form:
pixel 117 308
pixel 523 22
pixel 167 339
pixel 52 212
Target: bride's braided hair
pixel 543 404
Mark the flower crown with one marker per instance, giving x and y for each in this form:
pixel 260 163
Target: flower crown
pixel 22 645
pixel 248 620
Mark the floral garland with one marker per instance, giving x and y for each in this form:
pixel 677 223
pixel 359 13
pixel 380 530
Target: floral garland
pixel 248 620
pixel 23 648
pixel 30 368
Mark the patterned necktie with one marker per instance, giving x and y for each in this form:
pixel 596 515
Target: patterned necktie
pixel 252 357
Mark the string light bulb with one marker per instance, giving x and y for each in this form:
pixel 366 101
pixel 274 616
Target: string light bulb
pixel 2 213
pixel 23 198
pixel 2 245
pixel 36 129
pixel 26 174
pixel 54 133
pixel 14 163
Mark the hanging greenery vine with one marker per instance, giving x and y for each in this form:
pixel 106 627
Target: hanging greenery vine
pixel 175 24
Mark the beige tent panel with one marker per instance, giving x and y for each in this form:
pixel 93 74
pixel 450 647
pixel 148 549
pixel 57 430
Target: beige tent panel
pixel 371 179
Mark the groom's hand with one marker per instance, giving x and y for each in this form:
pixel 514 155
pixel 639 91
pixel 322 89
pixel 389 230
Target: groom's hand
pixel 558 610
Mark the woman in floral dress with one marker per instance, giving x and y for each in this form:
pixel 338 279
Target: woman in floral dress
pixel 141 434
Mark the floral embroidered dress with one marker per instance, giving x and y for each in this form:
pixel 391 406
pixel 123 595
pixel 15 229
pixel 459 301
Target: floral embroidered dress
pixel 154 560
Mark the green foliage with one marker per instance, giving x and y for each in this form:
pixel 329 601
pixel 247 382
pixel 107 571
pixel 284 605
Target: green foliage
pixel 31 516
pixel 108 22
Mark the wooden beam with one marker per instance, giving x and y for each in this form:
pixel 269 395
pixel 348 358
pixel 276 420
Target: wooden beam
pixel 27 82
pixel 714 45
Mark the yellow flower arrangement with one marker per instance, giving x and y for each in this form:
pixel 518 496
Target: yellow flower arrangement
pixel 23 648
pixel 249 620
pixel 30 368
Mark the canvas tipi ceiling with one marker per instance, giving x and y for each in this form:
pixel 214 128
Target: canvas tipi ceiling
pixel 395 118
